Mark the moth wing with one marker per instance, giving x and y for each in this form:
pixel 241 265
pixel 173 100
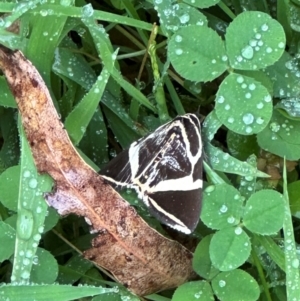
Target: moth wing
pixel 178 209
pixel 165 168
pixel 171 159
pixel 170 173
pixel 118 171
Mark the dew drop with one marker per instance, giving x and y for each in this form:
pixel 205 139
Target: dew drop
pixel 249 129
pixel 167 12
pixel 226 156
pixel 260 120
pixel 224 58
pixel 267 98
pixel 37 237
pixel 240 79
pixel 33 183
pixel 222 283
pixel 230 119
pixel 252 87
pixel 239 58
pixel 260 43
pixel 238 230
pixel 220 99
pixel 248 118
pixel 223 209
pixel 178 51
pixel 247 52
pixel 249 178
pixel 264 27
pixel 269 50
pixel 274 127
pixel 26 261
pixel 258 36
pixel 198 295
pixel 87 10
pixel 227 107
pixel 230 220
pixel 178 38
pixel 210 188
pixel 281 45
pixel 25 275
pixel 252 43
pixel 248 95
pixel 184 18
pixel 35 260
pixel 260 105
pixel 25 224
pixel 295 263
pixel 26 174
pixel 236 197
pixel 43 12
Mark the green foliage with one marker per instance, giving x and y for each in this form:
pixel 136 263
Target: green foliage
pixel 191 61
pixel 239 62
pixel 235 285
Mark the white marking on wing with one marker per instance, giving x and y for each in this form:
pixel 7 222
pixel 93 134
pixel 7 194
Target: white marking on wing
pixel 179 225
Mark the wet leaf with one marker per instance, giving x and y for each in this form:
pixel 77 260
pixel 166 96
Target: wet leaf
pixel 243 104
pixel 264 212
pixel 9 187
pixel 254 41
pixel 281 137
pixel 178 15
pixel 294 196
pixel 45 267
pixel 235 245
pixel 73 66
pixel 201 262
pixel 7 99
pixel 240 146
pixel 50 292
pixel 7 235
pixel 235 285
pixel 222 206
pixel 291 107
pixel 192 291
pixel 197 53
pixel 285 75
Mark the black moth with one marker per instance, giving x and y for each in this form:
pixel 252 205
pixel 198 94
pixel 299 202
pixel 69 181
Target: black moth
pixel 165 168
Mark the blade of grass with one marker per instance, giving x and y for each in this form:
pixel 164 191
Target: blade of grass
pixel 105 50
pixel 291 258
pixel 32 210
pixel 77 13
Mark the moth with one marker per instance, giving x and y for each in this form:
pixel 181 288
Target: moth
pixel 165 169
